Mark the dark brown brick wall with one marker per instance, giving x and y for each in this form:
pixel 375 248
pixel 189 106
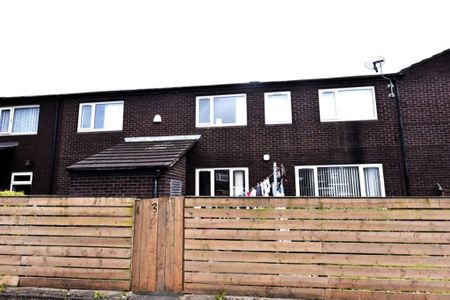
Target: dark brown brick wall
pixel 425 104
pixel 305 142
pixel 36 148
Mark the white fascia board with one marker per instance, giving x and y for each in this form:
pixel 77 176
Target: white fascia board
pixel 162 138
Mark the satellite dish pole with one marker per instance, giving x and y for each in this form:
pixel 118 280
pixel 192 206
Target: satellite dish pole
pixel 376 63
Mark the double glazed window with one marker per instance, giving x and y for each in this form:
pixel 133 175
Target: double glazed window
pixel 19 120
pixel 277 108
pixel 101 116
pixel 340 181
pixel 221 182
pixel 21 182
pixel 347 104
pixel 226 110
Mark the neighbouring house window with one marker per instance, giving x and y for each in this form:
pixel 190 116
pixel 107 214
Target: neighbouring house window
pixel 226 110
pixel 19 120
pixel 21 182
pixel 277 108
pixel 221 182
pixel 340 181
pixel 101 116
pixel 347 104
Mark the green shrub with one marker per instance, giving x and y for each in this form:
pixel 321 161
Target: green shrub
pixel 11 193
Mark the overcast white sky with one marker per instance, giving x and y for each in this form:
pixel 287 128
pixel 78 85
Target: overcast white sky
pixel 49 47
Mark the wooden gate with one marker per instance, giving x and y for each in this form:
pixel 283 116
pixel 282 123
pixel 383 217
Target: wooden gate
pixel 158 245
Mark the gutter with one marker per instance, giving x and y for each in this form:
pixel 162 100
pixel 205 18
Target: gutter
pixel 55 137
pixel 402 138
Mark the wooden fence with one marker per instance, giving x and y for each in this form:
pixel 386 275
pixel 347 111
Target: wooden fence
pixel 66 242
pixel 158 245
pixel 318 248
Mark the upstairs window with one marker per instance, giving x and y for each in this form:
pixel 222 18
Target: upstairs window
pixel 223 182
pixel 347 104
pixel 226 110
pixel 19 120
pixel 340 181
pixel 21 182
pixel 277 108
pixel 101 116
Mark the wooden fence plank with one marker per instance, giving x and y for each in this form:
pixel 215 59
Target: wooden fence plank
pixel 66 211
pixel 72 201
pixel 302 235
pixel 317 282
pixel 80 262
pixel 345 214
pixel 9 280
pixel 319 258
pixel 437 202
pixel 75 251
pixel 162 241
pixel 359 225
pixel 66 231
pixel 318 270
pixel 66 241
pixel 178 245
pixel 253 245
pixel 137 247
pixel 75 283
pixel 66 221
pixel 9 260
pixel 88 273
pixel 169 236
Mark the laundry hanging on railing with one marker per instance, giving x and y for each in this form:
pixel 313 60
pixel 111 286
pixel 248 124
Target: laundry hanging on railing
pixel 266 188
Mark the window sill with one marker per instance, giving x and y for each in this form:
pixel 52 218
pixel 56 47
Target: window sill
pixel 99 131
pixel 220 126
pixel 17 134
pixel 351 120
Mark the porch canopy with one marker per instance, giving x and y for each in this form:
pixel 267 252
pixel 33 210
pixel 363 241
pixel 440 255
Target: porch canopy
pixel 139 153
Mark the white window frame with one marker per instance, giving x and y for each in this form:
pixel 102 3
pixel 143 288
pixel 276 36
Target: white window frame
pixel 13 182
pixel 11 119
pixel 266 112
pixel 362 181
pixel 211 111
pixel 212 179
pixel 94 107
pixel 336 91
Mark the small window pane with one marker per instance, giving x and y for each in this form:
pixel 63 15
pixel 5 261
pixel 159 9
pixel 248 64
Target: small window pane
pixel 356 104
pixel 204 110
pixel 373 184
pixel 25 120
pixel 86 114
pixel 306 183
pixel 19 178
pixel 277 108
pixel 113 116
pixel 4 120
pixel 99 118
pixel 239 183
pixel 338 182
pixel 222 183
pixel 224 110
pixel 327 106
pixel 204 183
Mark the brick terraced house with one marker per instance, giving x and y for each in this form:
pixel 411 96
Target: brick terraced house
pixel 337 137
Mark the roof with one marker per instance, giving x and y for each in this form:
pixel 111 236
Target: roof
pixel 8 145
pixel 139 153
pixel 424 61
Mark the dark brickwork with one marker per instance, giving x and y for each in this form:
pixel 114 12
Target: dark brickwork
pixel 425 104
pixel 36 148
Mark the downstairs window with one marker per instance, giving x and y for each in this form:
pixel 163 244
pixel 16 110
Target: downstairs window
pixel 223 182
pixel 364 180
pixel 21 182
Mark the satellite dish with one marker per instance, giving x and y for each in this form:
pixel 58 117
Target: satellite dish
pixel 375 63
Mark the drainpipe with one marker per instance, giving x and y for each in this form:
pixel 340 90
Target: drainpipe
pixel 55 135
pixel 402 138
pixel 155 183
